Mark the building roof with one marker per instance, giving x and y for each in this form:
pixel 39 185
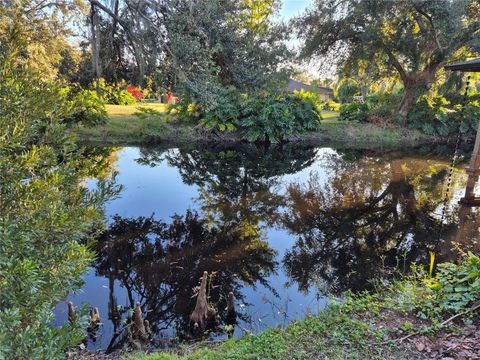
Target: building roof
pixel 297 85
pixel 472 66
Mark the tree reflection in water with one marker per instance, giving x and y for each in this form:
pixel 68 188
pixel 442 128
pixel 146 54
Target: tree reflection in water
pixel 372 214
pixel 159 264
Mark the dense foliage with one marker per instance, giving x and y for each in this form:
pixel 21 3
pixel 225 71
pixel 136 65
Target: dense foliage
pixel 355 111
pixel 225 115
pixel 438 116
pixel 45 212
pixel 453 289
pixel 346 91
pixel 262 117
pixel 85 107
pixel 277 117
pixel 385 104
pixel 115 94
pixel 405 40
pixel 314 97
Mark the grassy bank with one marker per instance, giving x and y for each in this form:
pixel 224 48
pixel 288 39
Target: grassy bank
pixel 331 335
pixel 421 316
pixel 418 317
pixel 123 127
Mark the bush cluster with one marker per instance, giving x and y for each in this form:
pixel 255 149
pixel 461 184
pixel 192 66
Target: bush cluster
pixel 45 212
pixel 384 104
pixel 355 111
pixel 277 117
pixel 264 117
pixel 453 289
pixel 314 97
pixel 438 116
pixel 114 94
pixel 86 108
pixel 432 115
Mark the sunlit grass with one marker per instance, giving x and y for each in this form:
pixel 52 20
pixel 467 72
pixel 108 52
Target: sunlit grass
pixel 123 127
pixel 128 111
pixel 329 116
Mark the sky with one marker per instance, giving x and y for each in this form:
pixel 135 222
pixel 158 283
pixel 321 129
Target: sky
pixel 291 8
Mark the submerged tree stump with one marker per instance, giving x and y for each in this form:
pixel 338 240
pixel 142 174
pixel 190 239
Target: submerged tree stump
pixel 202 316
pixel 138 328
pixel 231 318
pixel 94 323
pixel 199 315
pixel 72 315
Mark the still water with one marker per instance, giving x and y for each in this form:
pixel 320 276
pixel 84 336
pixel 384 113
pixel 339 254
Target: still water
pixel 279 227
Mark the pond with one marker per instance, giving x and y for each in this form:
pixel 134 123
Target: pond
pixel 279 226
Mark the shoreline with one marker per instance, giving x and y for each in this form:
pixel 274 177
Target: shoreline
pixel 368 325
pixel 345 135
pixel 125 128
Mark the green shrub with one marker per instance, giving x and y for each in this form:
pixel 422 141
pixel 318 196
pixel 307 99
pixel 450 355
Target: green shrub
pixel 187 113
pixel 354 112
pixel 226 112
pixel 314 97
pixel 46 214
pixel 274 117
pixel 265 117
pixel 332 105
pixel 86 108
pixel 305 112
pixel 114 94
pixel 454 288
pixel 438 117
pixel 384 104
pixel 347 91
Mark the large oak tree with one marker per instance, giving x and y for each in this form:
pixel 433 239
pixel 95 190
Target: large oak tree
pixel 412 38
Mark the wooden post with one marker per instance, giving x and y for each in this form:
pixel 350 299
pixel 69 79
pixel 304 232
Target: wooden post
pixel 473 171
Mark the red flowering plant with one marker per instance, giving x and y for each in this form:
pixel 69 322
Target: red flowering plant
pixel 137 93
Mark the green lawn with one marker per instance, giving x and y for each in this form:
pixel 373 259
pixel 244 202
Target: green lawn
pixel 126 112
pixel 329 115
pixel 124 127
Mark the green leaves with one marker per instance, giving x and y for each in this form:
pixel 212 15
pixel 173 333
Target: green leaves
pixel 115 94
pixel 437 116
pixel 354 112
pixel 277 117
pixel 45 212
pixel 455 287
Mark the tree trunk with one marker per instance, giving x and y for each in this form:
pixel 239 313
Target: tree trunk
pixel 415 85
pixel 407 103
pixel 95 42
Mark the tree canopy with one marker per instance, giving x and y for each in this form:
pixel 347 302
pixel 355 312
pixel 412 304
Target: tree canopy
pixel 192 47
pixel 411 39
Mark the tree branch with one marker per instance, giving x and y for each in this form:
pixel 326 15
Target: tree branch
pixel 395 63
pixel 434 29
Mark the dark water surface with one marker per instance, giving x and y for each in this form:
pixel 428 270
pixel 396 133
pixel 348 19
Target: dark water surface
pixel 279 227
